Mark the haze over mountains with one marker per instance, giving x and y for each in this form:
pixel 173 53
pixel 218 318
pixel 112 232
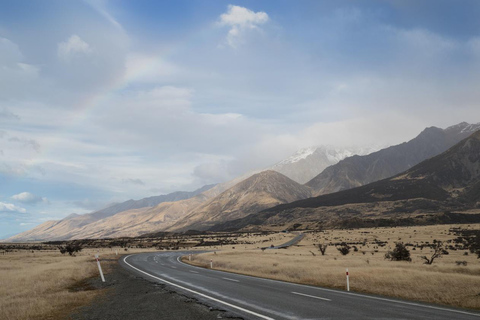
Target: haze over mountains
pixel 449 181
pixel 309 162
pixel 237 203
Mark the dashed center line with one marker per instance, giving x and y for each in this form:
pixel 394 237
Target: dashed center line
pixel 307 295
pixel 231 279
pixel 193 271
pixel 174 267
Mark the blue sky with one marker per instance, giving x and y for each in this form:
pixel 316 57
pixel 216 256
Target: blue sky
pixel 103 101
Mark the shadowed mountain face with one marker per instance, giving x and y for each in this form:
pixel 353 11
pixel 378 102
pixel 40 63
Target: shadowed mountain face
pixel 263 190
pixel 360 170
pixel 449 181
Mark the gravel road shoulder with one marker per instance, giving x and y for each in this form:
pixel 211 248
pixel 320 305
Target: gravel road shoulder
pixel 127 296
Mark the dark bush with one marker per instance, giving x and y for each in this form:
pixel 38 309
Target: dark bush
pixel 344 249
pixel 399 253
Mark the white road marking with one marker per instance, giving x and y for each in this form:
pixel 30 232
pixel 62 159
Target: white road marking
pixel 198 293
pixel 351 293
pixel 193 271
pixel 173 267
pixel 231 279
pixel 307 295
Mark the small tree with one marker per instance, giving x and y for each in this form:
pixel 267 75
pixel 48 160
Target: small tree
pixel 438 251
pixel 70 248
pixel 399 253
pixel 322 248
pixel 344 249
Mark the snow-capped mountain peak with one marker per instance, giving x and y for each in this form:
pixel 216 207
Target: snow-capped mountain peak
pixel 306 163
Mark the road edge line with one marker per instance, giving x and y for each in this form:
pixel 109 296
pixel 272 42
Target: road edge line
pixel 342 292
pixel 198 293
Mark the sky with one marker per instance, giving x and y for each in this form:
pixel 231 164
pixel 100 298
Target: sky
pixel 105 101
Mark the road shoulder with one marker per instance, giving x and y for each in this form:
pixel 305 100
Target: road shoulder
pixel 128 296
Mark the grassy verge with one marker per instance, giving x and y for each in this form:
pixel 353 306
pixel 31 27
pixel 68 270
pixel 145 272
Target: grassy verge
pixel 46 284
pixel 444 282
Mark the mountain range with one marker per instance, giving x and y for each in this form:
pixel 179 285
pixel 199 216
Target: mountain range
pixel 428 191
pixel 360 170
pixel 248 199
pixel 307 163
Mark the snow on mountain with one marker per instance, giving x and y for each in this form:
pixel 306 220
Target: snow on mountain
pixel 308 162
pixel 299 155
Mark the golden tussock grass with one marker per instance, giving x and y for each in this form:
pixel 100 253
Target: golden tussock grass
pixel 46 284
pixel 443 282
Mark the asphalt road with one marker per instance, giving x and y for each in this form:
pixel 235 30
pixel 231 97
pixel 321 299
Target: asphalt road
pixel 290 243
pixel 256 298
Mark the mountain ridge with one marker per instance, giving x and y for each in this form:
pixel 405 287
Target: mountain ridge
pixel 262 190
pixel 360 170
pixel 449 181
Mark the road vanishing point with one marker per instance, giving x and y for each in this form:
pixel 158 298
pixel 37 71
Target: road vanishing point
pixel 257 298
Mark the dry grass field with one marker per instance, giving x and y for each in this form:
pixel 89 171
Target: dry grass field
pixel 443 282
pixel 47 284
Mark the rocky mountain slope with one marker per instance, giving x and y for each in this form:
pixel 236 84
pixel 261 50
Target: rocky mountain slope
pixel 449 181
pixel 307 163
pixel 360 170
pixel 262 190
pixel 71 225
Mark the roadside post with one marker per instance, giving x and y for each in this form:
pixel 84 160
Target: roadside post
pixel 348 280
pixel 190 257
pixel 99 267
pixel 211 264
pixel 116 252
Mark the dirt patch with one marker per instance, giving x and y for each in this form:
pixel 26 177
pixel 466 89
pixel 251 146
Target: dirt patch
pixel 127 296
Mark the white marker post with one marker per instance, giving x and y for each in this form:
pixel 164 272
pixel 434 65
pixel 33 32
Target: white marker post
pixel 211 264
pixel 116 252
pixel 190 257
pixel 99 268
pixel 348 280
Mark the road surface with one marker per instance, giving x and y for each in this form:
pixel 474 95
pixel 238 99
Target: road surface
pixel 256 298
pixel 290 243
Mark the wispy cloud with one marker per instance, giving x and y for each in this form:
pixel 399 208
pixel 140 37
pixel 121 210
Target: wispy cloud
pixel 134 181
pixel 73 47
pixel 9 207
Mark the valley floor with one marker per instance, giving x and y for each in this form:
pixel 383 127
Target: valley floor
pixel 453 279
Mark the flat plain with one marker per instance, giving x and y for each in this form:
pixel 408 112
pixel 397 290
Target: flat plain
pixel 452 279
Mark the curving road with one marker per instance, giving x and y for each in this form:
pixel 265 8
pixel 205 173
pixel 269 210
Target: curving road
pixel 256 298
pixel 290 243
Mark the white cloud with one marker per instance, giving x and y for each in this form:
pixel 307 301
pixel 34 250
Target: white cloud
pixel 73 47
pixel 241 20
pixel 9 207
pixel 29 198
